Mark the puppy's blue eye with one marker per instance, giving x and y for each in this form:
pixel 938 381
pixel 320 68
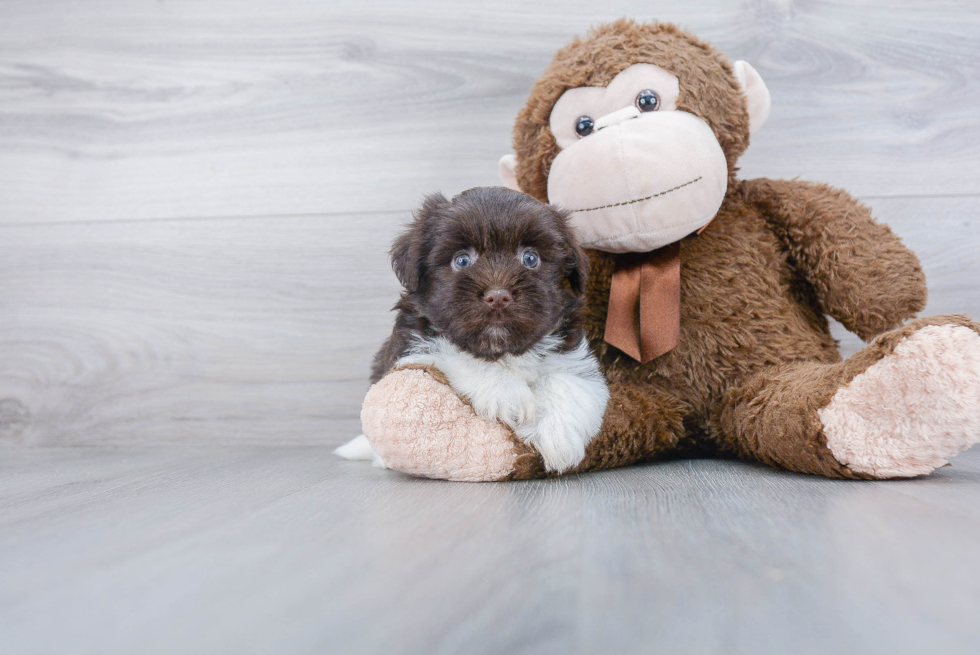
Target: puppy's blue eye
pixel 462 260
pixel 530 259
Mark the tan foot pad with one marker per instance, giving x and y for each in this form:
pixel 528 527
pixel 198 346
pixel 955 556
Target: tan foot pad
pixel 419 425
pixel 912 411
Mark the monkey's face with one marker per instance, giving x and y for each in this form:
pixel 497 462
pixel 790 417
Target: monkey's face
pixel 634 172
pixel 636 130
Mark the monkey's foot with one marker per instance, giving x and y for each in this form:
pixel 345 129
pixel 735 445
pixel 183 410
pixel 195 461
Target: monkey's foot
pixel 419 425
pixel 913 410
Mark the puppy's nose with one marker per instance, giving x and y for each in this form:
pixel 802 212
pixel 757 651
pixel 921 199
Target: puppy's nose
pixel 497 298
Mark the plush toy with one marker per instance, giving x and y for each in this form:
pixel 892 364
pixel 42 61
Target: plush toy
pixel 708 294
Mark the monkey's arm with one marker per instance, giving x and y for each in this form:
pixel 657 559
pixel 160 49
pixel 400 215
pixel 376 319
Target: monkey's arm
pixel 862 274
pixel 418 424
pixel 642 421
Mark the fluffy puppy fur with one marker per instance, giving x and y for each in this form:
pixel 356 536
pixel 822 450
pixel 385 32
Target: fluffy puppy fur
pixel 493 297
pixel 494 227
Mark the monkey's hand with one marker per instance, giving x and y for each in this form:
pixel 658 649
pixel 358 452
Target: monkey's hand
pixel 419 425
pixel 861 273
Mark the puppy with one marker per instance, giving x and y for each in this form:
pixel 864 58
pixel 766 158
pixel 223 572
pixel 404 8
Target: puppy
pixel 493 297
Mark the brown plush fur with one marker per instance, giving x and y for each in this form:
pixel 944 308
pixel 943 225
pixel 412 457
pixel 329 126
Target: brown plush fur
pixel 707 89
pixel 755 359
pixel 494 226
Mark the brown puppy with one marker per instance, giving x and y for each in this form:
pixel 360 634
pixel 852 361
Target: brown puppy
pixel 494 271
pixel 493 300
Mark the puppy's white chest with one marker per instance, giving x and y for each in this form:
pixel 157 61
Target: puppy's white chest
pixel 552 400
pixel 502 390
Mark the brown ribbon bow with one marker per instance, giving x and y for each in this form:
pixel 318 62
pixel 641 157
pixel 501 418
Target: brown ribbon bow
pixel 644 318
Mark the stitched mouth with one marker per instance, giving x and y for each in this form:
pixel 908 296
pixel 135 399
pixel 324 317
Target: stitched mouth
pixel 630 202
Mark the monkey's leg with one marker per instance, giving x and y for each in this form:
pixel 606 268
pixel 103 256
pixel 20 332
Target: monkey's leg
pixel 419 425
pixel 901 407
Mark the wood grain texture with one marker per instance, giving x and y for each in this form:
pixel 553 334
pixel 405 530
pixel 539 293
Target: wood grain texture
pixel 190 109
pixel 225 330
pixel 288 550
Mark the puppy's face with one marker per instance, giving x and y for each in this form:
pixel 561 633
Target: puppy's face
pixel 494 270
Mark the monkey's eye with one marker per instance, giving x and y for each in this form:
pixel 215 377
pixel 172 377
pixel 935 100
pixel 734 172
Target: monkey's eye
pixel 647 100
pixel 463 260
pixel 530 259
pixel 584 125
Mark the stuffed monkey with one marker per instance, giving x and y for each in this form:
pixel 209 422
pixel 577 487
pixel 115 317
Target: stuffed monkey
pixel 708 296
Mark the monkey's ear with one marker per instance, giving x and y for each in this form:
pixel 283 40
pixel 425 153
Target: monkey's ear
pixel 409 251
pixel 508 171
pixel 757 95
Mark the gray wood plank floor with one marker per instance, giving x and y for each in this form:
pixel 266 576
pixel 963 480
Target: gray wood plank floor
pixel 283 550
pixel 195 204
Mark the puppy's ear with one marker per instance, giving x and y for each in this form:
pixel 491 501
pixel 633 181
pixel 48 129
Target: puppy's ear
pixel 576 262
pixel 409 251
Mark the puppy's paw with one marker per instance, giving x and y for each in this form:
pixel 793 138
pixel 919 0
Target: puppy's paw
pixel 570 410
pixel 512 403
pixel 562 446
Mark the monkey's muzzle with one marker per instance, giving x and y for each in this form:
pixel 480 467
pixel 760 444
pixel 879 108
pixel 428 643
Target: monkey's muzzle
pixel 640 182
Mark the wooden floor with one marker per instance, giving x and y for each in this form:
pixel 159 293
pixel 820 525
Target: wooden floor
pixel 196 199
pixel 288 550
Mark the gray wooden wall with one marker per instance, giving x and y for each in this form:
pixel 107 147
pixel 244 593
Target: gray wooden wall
pixel 196 198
